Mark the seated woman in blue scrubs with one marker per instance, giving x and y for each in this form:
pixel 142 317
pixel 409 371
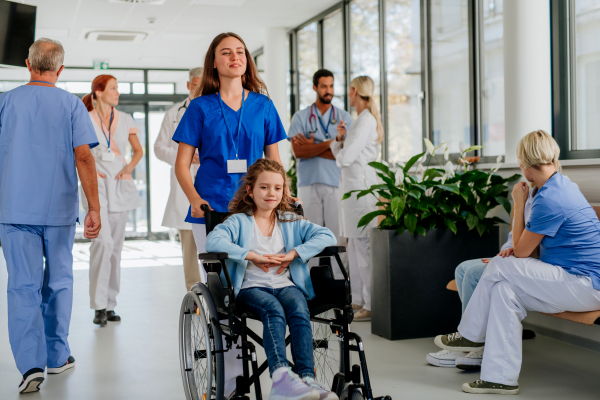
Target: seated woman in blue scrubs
pixel 232 123
pixel 566 277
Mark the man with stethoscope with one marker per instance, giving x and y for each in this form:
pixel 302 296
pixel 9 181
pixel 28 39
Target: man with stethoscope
pixel 177 205
pixel 311 132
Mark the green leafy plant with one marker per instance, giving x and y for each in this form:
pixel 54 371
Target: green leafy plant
pixel 443 196
pixel 292 174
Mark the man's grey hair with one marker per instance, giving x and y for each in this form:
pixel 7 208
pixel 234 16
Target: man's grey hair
pixel 196 73
pixel 46 55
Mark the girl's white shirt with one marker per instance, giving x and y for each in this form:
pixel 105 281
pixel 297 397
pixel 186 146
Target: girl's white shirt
pixel 261 245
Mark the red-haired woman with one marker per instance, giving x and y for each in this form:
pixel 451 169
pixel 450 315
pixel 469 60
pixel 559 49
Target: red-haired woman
pixel 117 192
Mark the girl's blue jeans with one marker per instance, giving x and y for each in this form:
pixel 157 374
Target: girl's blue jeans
pixel 467 276
pixel 276 307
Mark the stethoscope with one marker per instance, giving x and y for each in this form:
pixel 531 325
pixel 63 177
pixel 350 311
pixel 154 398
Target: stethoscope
pixel 184 107
pixel 332 120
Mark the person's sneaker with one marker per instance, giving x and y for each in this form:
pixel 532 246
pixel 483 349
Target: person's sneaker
pixel 471 361
pixel 112 317
pixel 324 393
pixel 356 307
pixel 32 380
pixel 455 342
pixel 483 387
pixel 100 318
pixel 362 315
pixel 444 358
pixel 288 386
pixel 68 365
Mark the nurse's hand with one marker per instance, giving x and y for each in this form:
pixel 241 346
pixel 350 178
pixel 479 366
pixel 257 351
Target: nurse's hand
pixel 196 210
pixel 92 225
pixel 520 192
pixel 301 140
pixel 127 170
pixel 196 159
pixel 341 129
pixel 507 253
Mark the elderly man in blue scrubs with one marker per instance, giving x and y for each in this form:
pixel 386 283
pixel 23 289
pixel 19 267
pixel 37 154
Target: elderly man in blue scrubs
pixel 39 207
pixel 311 132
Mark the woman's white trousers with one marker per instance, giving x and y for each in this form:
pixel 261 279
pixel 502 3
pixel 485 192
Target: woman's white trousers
pixel 359 260
pixel 508 288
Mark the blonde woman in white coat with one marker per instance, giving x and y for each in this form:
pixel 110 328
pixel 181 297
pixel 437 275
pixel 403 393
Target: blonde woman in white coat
pixel 353 150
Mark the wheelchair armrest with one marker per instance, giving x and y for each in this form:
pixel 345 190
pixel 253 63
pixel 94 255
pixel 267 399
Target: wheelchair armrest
pixel 213 256
pixel 331 251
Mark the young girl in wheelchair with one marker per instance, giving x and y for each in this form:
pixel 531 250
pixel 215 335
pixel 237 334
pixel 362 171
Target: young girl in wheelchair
pixel 270 246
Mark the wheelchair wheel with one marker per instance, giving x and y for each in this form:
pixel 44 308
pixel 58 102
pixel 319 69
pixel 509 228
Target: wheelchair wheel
pixel 326 351
pixel 356 395
pixel 200 347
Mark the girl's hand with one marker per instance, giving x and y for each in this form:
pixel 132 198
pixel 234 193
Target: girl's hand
pixel 196 210
pixel 341 128
pixel 262 262
pixel 485 260
pixel 127 170
pixel 506 253
pixel 283 259
pixel 520 192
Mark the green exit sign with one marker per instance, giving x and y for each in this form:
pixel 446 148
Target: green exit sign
pixel 101 65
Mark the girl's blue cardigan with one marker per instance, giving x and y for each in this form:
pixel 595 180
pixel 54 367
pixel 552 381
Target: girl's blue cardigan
pixel 234 236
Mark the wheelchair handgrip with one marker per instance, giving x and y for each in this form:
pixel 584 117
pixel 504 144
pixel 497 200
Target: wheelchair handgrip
pixel 205 207
pixel 213 256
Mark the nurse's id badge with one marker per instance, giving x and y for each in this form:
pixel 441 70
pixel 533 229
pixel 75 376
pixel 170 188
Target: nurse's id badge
pixel 108 156
pixel 237 167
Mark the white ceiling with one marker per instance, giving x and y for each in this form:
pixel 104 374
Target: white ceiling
pixel 179 34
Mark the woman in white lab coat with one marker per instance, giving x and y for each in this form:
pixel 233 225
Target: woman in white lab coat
pixel 353 150
pixel 117 192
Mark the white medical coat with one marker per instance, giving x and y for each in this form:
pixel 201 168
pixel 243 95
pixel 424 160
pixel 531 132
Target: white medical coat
pixel 166 150
pixel 352 155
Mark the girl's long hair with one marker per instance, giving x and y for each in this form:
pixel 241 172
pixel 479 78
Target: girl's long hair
pixel 210 77
pixel 365 88
pixel 243 203
pixel 99 84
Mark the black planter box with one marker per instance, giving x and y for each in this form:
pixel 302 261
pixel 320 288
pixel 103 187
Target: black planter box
pixel 409 277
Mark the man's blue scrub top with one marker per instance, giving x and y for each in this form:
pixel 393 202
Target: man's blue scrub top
pixel 39 128
pixel 571 228
pixel 318 169
pixel 203 126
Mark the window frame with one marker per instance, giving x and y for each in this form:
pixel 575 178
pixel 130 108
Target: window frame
pixel 563 67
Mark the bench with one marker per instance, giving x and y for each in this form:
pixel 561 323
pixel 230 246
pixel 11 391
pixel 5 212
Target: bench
pixel 587 318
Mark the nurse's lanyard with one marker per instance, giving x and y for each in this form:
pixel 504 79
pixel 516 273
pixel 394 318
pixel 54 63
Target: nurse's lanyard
pixel 49 83
pixel 236 166
pixel 109 156
pixel 332 120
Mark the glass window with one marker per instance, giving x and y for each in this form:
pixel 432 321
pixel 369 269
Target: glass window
pixel 178 78
pixel 161 88
pixel 333 55
pixel 138 88
pixel 403 40
pixel 450 73
pixel 492 96
pixel 75 87
pixel 5 86
pixel 308 63
pixel 587 74
pixel 364 41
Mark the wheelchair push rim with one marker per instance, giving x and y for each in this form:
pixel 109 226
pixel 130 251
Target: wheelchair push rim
pixel 197 341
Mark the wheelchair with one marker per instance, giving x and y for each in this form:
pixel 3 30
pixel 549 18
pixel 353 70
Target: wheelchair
pixel 210 324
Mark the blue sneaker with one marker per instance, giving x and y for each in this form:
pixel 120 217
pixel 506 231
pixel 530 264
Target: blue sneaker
pixel 289 386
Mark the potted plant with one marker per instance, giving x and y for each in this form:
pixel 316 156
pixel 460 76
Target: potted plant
pixel 431 219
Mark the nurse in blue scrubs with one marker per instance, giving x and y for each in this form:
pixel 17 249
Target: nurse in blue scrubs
pixel 232 123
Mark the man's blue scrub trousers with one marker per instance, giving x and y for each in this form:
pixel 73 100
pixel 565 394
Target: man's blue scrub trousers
pixel 39 299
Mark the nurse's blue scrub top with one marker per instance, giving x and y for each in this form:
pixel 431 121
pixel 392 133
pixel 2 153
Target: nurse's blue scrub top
pixel 203 126
pixel 40 127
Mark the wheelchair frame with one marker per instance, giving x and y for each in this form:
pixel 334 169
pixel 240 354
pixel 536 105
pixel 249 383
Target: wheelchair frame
pixel 346 381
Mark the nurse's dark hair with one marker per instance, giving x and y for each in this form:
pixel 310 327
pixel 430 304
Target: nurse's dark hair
pixel 98 85
pixel 244 203
pixel 210 77
pixel 322 73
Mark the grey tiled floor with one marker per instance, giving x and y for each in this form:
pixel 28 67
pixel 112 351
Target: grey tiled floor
pixel 138 358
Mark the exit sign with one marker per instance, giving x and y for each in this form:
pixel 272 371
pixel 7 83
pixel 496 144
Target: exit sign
pixel 101 64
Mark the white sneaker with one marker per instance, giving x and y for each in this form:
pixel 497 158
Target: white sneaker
pixel 444 358
pixel 324 393
pixel 288 386
pixel 471 361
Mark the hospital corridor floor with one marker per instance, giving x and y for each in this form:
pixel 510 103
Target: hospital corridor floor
pixel 138 358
